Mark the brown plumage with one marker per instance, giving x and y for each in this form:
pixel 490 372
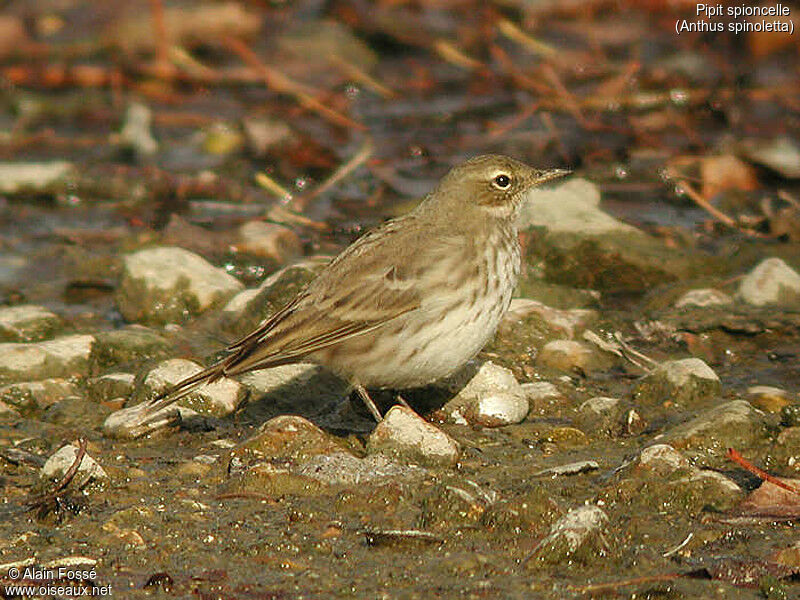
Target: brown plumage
pixel 409 302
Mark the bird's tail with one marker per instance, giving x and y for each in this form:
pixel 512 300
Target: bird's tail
pixel 183 388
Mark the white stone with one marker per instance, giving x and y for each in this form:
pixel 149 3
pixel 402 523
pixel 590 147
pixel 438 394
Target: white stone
pixel 219 398
pixel 538 391
pixel 680 372
pixel 573 206
pixel 89 471
pixel 405 434
pixel 269 240
pixel 153 278
pixel 771 282
pixel 498 409
pixel 599 405
pixel 18 176
pixel 491 398
pixel 63 356
pixel 663 459
pixel 703 298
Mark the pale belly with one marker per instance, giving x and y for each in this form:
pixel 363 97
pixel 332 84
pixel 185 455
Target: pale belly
pixel 422 347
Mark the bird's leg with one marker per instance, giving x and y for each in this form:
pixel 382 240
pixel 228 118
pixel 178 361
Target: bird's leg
pixel 368 402
pixel 400 400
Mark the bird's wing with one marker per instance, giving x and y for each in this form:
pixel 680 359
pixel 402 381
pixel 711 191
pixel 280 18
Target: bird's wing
pixel 361 290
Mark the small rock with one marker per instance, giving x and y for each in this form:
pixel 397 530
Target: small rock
pixel 136 135
pixel 662 460
pixel 664 477
pixel 733 424
pixel 768 398
pixel 219 399
pixel 26 323
pixel 61 357
pixel 269 240
pixel 75 412
pixel 169 284
pixel 491 398
pixel 600 414
pixel 19 177
pixel 569 322
pixel 30 395
pixel 262 134
pixel 404 434
pixel 772 281
pixel 572 206
pixel 780 154
pixel 540 391
pixel 569 355
pixel 90 474
pixel 111 385
pixel 126 347
pixel 575 468
pixel 131 423
pixel 578 535
pixel 680 381
pixel 703 298
pixel 249 308
pixel 285 438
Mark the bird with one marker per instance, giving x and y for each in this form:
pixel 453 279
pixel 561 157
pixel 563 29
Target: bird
pixel 409 302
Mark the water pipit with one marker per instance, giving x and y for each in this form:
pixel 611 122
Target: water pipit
pixel 409 302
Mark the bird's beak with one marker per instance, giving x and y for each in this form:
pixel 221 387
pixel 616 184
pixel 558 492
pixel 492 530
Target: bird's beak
pixel 548 175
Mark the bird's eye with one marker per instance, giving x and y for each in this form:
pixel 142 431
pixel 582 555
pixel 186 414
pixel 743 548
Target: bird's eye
pixel 502 181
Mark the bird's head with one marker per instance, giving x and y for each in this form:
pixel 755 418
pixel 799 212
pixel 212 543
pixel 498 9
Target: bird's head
pixel 492 183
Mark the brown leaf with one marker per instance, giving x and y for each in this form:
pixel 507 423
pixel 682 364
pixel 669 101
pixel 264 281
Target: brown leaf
pixel 770 500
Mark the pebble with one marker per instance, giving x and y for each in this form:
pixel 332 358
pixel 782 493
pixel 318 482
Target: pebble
pixel 26 323
pixel 136 134
pixel 570 355
pixel 491 398
pixel 570 207
pixel 683 381
pixel 17 177
pixel 600 414
pixel 37 394
pixel 403 434
pixel 285 438
pixel 703 298
pixel 90 474
pixel 61 357
pixel 696 488
pixel 772 281
pixel 126 347
pixel 168 285
pixel 575 468
pixel 218 399
pixel 733 424
pixel 269 240
pixel 580 531
pixel 111 385
pixel 568 322
pixel 768 398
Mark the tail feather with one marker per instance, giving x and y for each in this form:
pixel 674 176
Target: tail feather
pixel 183 388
